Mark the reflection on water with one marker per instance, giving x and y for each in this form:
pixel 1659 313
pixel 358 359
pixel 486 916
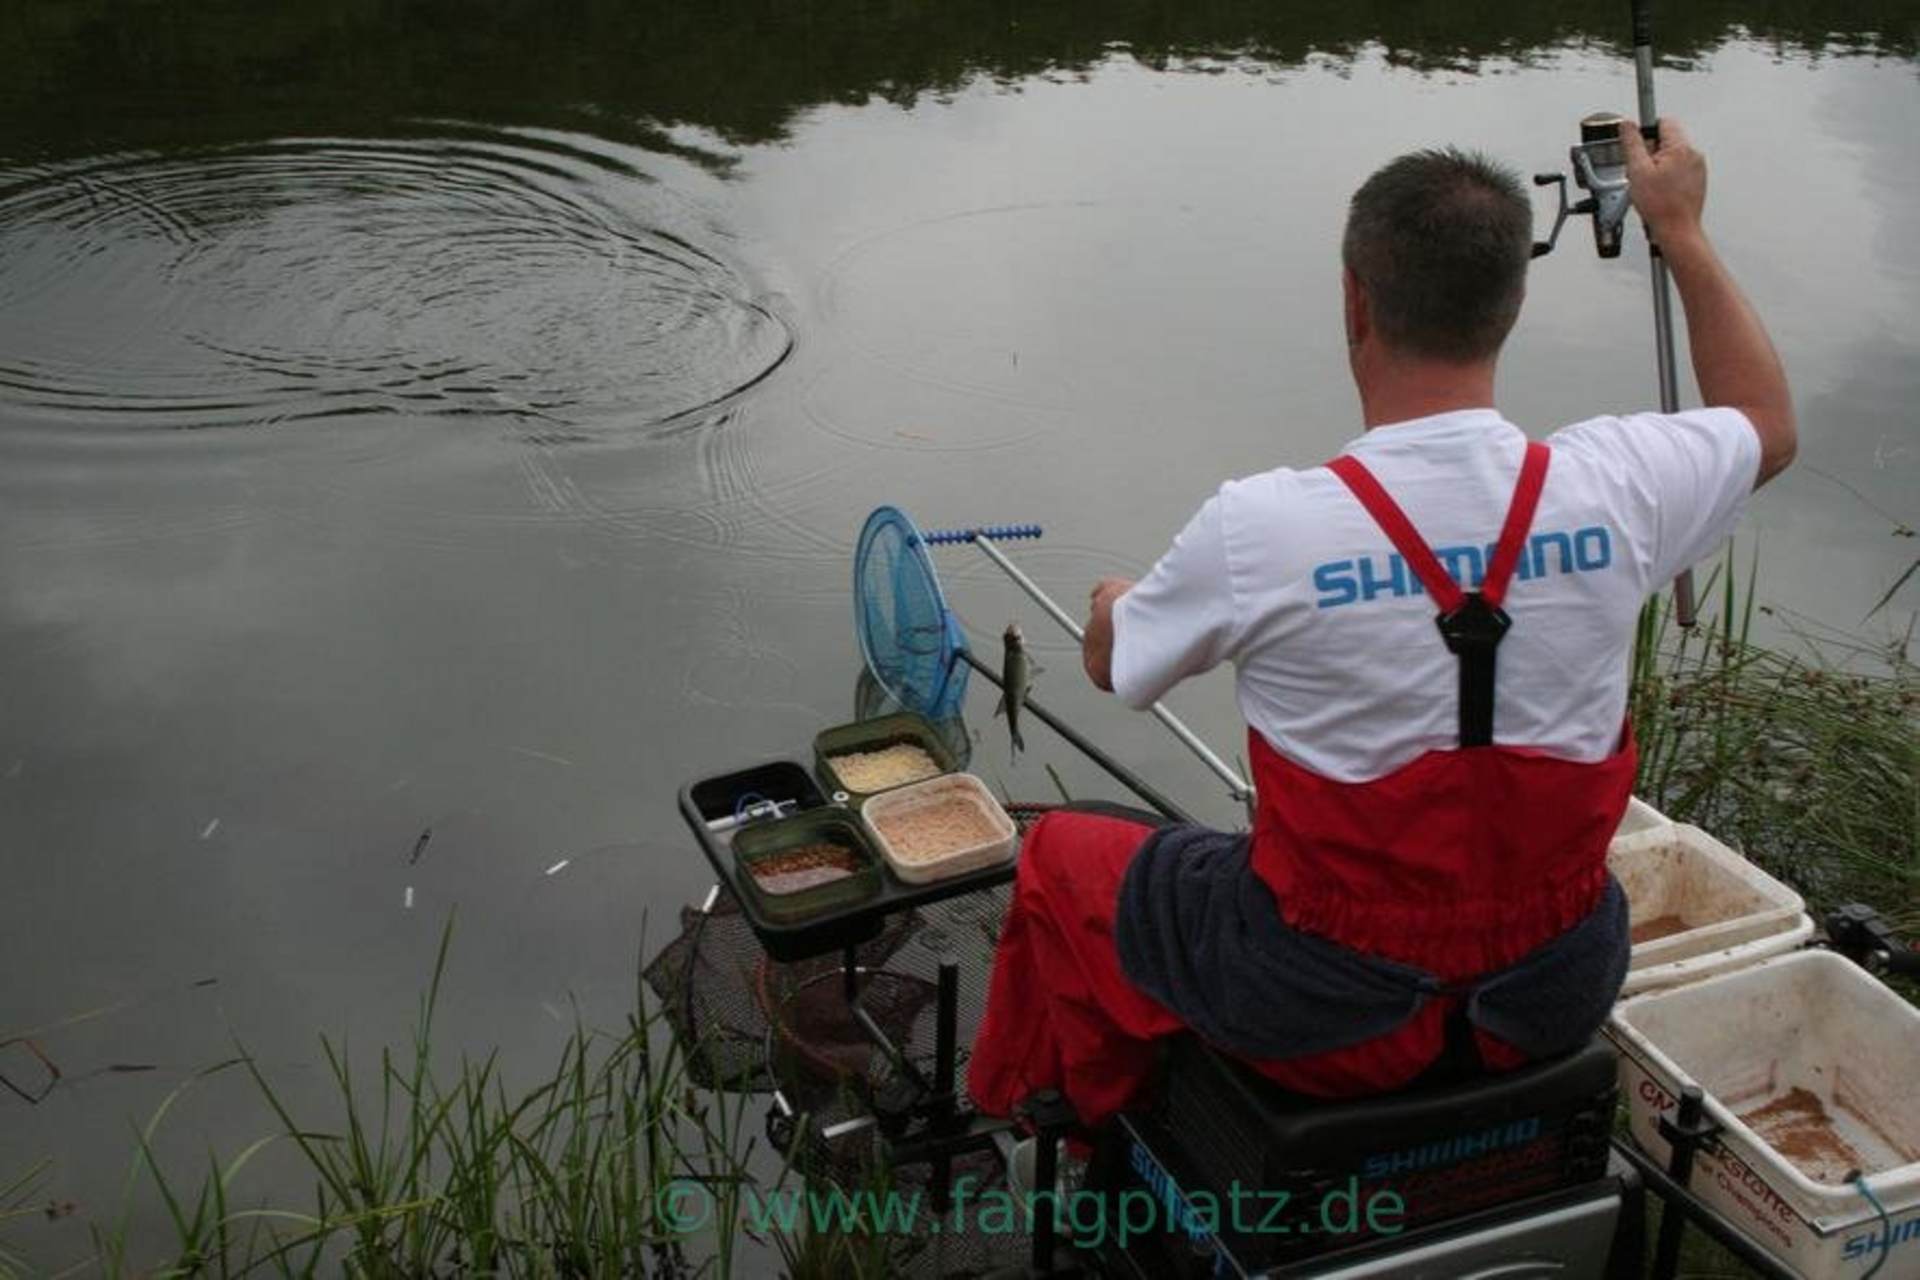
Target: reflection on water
pixel 745 69
pixel 501 276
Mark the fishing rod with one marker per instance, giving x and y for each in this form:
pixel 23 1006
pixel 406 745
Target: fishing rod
pixel 1600 169
pixel 1075 739
pixel 985 538
pixel 1683 603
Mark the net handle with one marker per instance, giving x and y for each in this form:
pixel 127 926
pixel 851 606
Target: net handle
pixel 999 532
pixel 985 538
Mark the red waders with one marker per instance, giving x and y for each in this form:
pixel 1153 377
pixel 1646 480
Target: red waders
pixel 1459 862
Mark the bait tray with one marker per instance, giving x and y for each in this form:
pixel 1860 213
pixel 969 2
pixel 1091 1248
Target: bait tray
pixel 903 802
pixel 708 807
pixel 902 729
pixel 761 842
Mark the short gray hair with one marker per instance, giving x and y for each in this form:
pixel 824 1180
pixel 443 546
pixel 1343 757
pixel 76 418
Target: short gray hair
pixel 1440 240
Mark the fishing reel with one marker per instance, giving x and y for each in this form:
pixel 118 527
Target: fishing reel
pixel 1600 169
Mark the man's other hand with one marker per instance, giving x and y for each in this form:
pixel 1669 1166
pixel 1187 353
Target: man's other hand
pixel 1096 649
pixel 1668 186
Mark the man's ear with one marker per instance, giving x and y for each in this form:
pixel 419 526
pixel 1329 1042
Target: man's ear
pixel 1359 323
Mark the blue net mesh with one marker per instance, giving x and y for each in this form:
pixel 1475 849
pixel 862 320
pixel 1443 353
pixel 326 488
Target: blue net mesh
pixel 907 635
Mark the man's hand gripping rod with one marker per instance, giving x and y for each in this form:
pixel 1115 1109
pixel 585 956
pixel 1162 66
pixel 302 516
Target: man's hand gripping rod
pixel 1599 167
pixel 984 538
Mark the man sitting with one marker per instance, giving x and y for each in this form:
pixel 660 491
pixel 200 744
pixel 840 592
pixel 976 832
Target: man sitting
pixel 1426 873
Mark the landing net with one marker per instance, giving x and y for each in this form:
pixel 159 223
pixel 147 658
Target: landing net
pixel 909 638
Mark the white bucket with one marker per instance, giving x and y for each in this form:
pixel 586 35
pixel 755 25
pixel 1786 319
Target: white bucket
pixel 1825 1060
pixel 1639 817
pixel 1702 907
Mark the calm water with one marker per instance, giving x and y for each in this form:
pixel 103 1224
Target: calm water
pixel 458 417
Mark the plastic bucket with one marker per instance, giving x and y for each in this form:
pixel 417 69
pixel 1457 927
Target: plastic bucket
pixel 1699 908
pixel 1808 1065
pixel 1639 817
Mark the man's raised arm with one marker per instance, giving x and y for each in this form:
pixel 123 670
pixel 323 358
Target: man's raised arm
pixel 1733 359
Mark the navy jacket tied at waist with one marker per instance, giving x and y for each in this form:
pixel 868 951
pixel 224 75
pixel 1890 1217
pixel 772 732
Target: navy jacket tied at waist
pixel 1202 934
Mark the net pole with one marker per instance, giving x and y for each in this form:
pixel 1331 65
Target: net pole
pixel 1236 785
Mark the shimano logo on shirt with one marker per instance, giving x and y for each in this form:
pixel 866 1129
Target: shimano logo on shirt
pixel 1342 582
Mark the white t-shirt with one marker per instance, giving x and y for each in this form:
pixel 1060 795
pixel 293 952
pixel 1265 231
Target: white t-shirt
pixel 1339 663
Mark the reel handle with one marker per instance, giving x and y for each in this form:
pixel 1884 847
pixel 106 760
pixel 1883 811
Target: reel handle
pixel 998 532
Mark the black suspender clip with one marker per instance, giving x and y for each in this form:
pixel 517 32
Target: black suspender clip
pixel 1473 632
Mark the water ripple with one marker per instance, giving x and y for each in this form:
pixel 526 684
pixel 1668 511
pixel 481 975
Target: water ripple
pixel 505 277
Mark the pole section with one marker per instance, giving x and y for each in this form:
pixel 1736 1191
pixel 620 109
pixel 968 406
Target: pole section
pixel 1683 601
pixel 1236 786
pixel 1079 742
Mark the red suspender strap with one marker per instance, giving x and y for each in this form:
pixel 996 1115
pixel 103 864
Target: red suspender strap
pixel 1393 521
pixel 1471 623
pixel 1447 593
pixel 1513 534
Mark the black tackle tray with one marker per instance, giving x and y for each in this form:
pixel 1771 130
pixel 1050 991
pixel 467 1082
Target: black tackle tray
pixel 833 929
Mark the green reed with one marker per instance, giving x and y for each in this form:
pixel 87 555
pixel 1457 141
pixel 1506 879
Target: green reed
pixel 1804 754
pixel 18 1196
pixel 427 1171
